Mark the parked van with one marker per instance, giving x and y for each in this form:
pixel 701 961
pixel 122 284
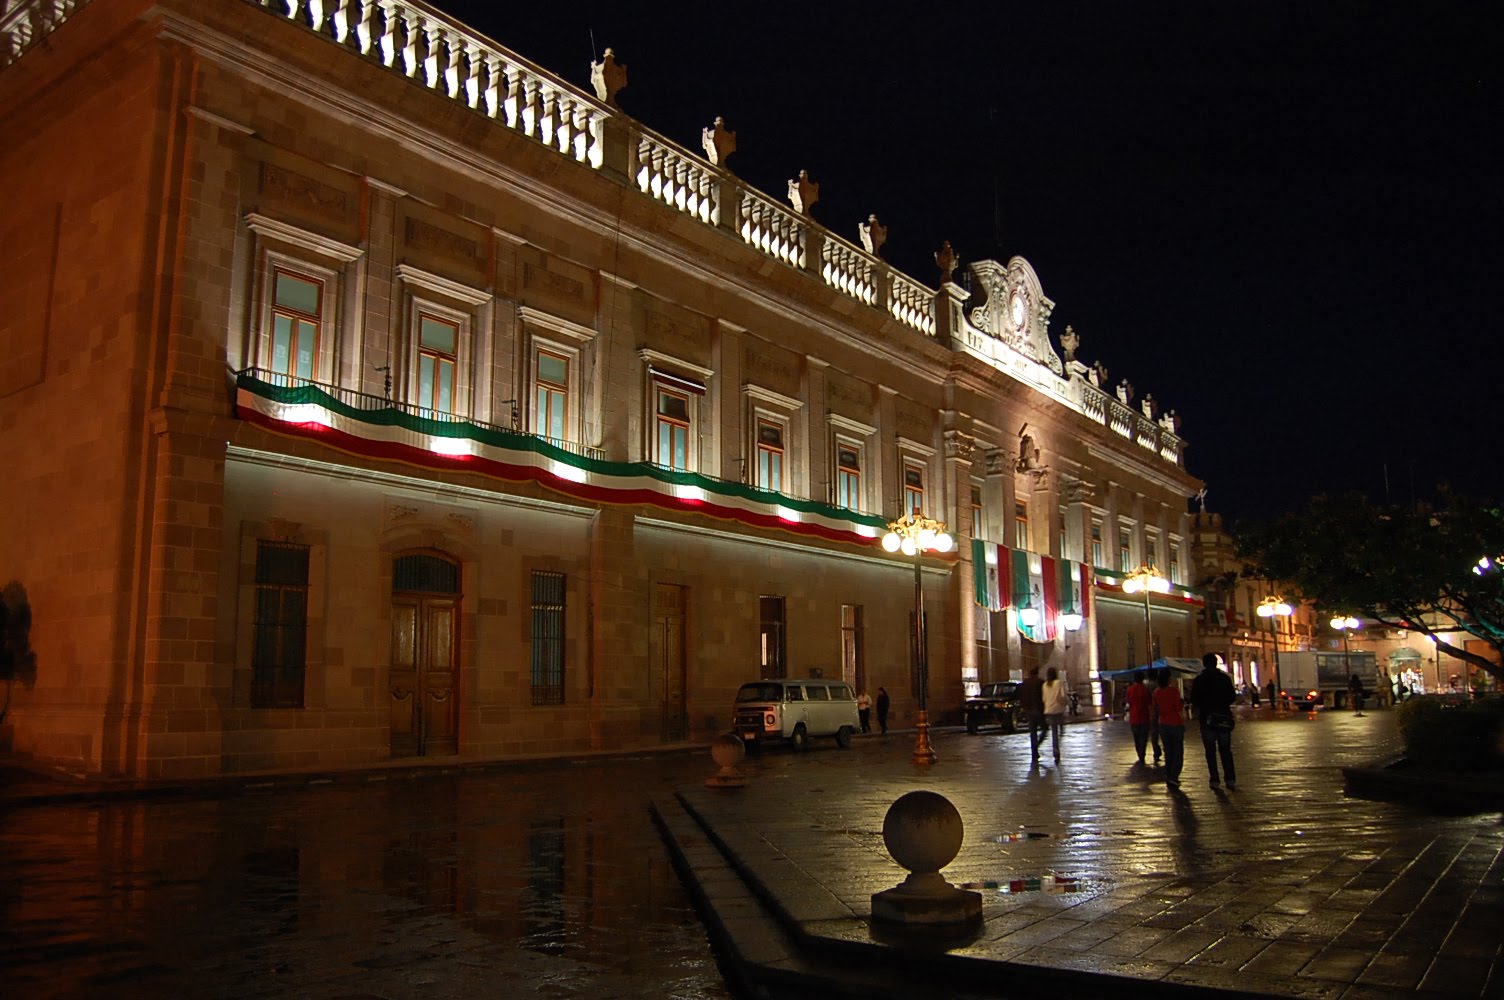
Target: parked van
pixel 773 711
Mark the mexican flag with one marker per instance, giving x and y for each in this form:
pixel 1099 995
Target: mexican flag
pixel 984 575
pixel 1030 591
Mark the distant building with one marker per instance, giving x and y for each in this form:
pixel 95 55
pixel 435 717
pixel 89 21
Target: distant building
pixel 369 392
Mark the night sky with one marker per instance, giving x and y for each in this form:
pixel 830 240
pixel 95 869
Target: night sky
pixel 1284 220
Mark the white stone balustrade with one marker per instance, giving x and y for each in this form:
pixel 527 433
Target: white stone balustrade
pixel 23 23
pixel 771 228
pixel 912 304
pixel 427 47
pixel 847 269
pixel 430 49
pixel 1093 401
pixel 677 178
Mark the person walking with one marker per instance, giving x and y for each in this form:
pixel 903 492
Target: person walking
pixel 864 711
pixel 1271 691
pixel 1056 700
pixel 1031 697
pixel 1168 716
pixel 1212 695
pixel 1139 715
pixel 882 710
pixel 1356 692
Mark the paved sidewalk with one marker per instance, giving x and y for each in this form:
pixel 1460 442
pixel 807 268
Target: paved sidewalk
pixel 1280 888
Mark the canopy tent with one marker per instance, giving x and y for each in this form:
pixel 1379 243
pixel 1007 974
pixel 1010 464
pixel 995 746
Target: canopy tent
pixel 1180 666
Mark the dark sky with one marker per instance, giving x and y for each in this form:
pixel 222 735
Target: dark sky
pixel 1284 220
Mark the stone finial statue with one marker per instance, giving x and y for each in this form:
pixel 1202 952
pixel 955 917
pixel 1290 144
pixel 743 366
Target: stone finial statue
pixel 803 193
pixel 1150 407
pixel 947 260
pixel 1099 375
pixel 608 77
pixel 1170 422
pixel 719 143
pixel 1069 342
pixel 1125 392
pixel 874 234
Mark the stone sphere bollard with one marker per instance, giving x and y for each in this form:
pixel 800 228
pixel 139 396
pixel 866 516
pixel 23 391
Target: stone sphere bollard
pixel 727 750
pixel 923 832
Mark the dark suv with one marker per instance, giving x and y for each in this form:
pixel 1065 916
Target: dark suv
pixel 997 705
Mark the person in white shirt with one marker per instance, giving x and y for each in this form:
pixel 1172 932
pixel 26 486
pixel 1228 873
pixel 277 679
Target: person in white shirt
pixel 1056 699
pixel 864 711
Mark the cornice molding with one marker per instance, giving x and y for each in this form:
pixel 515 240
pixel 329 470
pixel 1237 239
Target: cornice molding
pixel 266 226
pixel 439 285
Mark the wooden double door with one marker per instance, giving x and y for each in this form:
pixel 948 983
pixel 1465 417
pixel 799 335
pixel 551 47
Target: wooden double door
pixel 423 683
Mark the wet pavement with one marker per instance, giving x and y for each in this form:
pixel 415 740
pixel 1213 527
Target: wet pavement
pixel 1098 879
pixel 549 879
pixel 542 880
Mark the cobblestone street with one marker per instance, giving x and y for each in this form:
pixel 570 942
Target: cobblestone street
pixel 550 880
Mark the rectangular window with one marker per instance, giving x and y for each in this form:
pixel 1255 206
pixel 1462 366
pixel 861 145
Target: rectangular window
pixel 1063 533
pixel 771 633
pixel 438 340
pixel 848 475
pixel 551 396
pixel 673 429
pixel 1125 550
pixel 1174 562
pixel 853 659
pixel 1020 525
pixel 1096 544
pixel 913 488
pixel 977 530
pixel 769 456
pixel 279 658
pixel 548 638
pixel 297 309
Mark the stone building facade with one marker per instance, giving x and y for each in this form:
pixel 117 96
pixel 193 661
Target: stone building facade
pixel 367 391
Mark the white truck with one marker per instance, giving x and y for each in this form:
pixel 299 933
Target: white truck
pixel 1319 679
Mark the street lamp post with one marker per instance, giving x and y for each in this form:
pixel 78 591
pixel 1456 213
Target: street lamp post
pixel 1343 624
pixel 1272 607
pixel 1147 579
pixel 914 534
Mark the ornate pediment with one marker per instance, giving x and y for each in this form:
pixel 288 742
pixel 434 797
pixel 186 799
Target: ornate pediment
pixel 1015 310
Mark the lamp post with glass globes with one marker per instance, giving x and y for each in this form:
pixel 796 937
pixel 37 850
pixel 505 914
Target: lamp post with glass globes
pixel 1272 607
pixel 1343 624
pixel 913 535
pixel 1146 579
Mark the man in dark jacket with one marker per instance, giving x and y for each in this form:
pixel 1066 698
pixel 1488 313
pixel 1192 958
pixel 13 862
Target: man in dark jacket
pixel 1212 695
pixel 1031 697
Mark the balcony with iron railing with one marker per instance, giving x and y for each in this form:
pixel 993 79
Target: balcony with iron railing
pixel 372 408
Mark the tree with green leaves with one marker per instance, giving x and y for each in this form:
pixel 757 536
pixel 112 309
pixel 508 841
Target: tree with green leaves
pixel 1435 569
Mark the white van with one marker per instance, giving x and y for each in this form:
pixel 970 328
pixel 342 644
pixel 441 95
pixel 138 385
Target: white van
pixel 794 709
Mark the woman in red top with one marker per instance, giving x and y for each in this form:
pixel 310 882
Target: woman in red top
pixel 1171 722
pixel 1140 717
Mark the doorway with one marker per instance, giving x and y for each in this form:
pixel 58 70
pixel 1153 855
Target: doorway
pixel 668 636
pixel 423 693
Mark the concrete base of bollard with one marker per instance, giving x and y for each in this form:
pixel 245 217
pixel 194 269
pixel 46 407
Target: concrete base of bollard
pixel 927 900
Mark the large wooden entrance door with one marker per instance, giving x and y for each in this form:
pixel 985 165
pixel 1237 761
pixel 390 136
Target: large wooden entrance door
pixel 423 685
pixel 668 635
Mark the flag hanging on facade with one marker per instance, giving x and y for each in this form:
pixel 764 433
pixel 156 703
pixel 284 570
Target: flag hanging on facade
pixel 984 574
pixel 1070 587
pixel 980 590
pixel 1049 582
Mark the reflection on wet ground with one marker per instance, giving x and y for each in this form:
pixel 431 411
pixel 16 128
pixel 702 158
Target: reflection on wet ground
pixel 543 881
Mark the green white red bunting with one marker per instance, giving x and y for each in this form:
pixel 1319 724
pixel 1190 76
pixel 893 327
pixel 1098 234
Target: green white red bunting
pixel 1048 586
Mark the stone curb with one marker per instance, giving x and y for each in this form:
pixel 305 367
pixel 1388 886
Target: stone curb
pixel 771 947
pixel 49 787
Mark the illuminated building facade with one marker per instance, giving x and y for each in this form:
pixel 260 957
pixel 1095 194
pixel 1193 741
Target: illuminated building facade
pixel 371 392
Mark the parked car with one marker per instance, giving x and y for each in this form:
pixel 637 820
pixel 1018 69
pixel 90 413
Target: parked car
pixel 793 710
pixel 997 705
